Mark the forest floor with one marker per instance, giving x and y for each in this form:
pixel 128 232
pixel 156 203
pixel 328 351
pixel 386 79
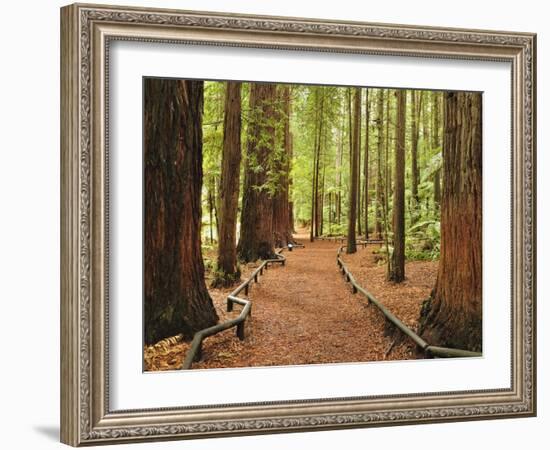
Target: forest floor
pixel 304 313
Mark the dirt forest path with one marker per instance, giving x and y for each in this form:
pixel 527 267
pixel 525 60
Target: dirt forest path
pixel 304 313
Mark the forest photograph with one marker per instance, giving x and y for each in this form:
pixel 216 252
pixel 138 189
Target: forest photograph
pixel 291 224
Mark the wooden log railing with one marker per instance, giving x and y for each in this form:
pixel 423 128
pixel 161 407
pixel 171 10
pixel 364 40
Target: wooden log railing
pixel 342 239
pixel 195 351
pixel 430 350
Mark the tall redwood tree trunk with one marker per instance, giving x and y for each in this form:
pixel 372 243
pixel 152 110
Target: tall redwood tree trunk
pixel 379 149
pixel 314 230
pixel 397 272
pixel 339 156
pixel 281 221
pixel 359 190
pixel 452 316
pixel 416 107
pixel 256 239
pixel 354 181
pixel 175 296
pixel 366 165
pixel 228 271
pixel 314 174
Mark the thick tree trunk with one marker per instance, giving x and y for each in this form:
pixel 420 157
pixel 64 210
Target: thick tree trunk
pixel 228 271
pixel 175 296
pixel 281 230
pixel 397 273
pixel 256 239
pixel 453 316
pixel 352 244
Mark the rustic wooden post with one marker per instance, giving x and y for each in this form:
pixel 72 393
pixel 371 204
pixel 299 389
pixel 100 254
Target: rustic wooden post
pixel 240 330
pixel 198 354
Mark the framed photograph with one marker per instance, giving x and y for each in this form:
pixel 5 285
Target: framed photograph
pixel 267 221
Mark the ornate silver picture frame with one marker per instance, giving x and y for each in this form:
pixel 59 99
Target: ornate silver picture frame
pixel 87 32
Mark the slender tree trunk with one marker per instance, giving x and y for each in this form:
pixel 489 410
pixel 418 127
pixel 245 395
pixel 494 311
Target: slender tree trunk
pixel 320 130
pixel 215 206
pixel 350 129
pixel 228 271
pixel 416 107
pixel 314 231
pixel 339 156
pixel 330 213
pixel 290 183
pixel 321 210
pixel 176 299
pixel 398 257
pixel 388 182
pixel 322 203
pixel 359 196
pixel 354 188
pixel 211 209
pixel 314 178
pixel 436 143
pixel 256 240
pixel 379 148
pixel 453 314
pixel 366 164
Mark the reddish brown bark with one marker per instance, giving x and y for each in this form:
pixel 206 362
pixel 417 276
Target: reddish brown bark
pixel 281 221
pixel 314 230
pixel 416 107
pixel 256 239
pixel 453 316
pixel 366 165
pixel 175 296
pixel 354 182
pixel 397 272
pixel 379 148
pixel 228 271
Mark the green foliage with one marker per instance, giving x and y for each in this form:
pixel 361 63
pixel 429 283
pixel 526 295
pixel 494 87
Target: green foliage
pixel 434 165
pixel 337 229
pixel 422 213
pixel 270 136
pixel 423 241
